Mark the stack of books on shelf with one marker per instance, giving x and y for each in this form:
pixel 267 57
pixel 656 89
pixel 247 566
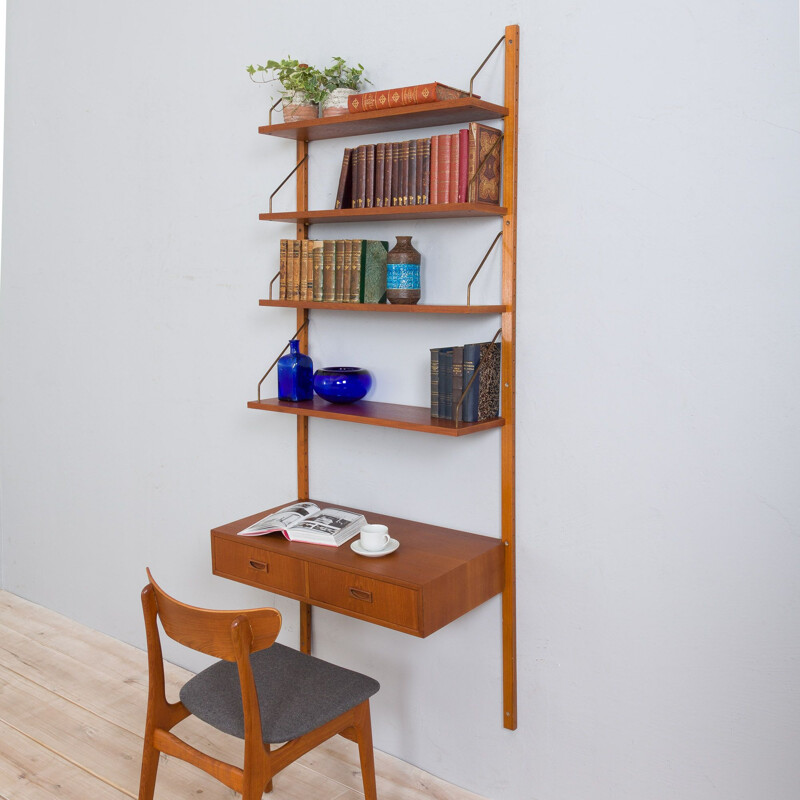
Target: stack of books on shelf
pixel 405 96
pixel 333 270
pixel 449 168
pixel 453 373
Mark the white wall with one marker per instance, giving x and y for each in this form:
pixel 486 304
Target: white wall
pixel 658 384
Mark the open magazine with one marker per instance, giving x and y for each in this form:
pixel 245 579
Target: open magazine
pixel 307 522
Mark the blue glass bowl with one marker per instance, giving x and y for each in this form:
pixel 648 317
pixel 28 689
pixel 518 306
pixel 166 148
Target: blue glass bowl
pixel 342 384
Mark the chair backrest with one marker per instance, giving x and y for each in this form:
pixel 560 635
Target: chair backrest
pixel 210 631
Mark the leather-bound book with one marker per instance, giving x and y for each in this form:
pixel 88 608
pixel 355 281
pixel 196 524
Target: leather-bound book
pixel 296 269
pixel 353 179
pixel 387 175
pixel 373 271
pixel 404 96
pixel 452 196
pixel 426 171
pixel 316 265
pixel 305 269
pixel 343 198
pixel 457 383
pixel 435 382
pixel 369 194
pixel 444 169
pixel 328 271
pixel 402 195
pixel 418 172
pixel 282 267
pixel 380 164
pixel 356 246
pixel 433 190
pixel 463 164
pixel 411 197
pixel 361 177
pixel 484 155
pixel 482 400
pixel 396 148
pixel 348 269
pixel 338 266
pixel 445 382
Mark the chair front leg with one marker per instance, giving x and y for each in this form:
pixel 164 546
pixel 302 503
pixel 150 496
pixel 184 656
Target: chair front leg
pixel 363 728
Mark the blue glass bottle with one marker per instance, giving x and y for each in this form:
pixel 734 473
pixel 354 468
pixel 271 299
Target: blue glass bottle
pixel 295 374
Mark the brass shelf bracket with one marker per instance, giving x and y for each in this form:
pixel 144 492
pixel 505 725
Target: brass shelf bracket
pixel 272 108
pixel 469 285
pixel 277 275
pixel 272 366
pixel 457 412
pixel 483 64
pixel 297 166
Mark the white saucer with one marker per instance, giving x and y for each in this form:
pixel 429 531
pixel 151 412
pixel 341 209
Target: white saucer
pixel 356 547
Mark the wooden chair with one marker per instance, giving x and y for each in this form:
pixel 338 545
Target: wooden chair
pixel 260 691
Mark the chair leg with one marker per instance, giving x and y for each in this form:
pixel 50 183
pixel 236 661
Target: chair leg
pixel 363 729
pixel 150 757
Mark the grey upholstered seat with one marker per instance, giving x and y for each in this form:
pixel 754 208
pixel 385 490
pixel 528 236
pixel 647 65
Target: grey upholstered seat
pixel 296 693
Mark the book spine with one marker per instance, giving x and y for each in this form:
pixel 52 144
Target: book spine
pixel 403 96
pixel 343 179
pixel 463 164
pixel 356 246
pixel 489 382
pixel 316 261
pixel 458 384
pixel 433 190
pixel 418 183
pixel 328 271
pixel 338 266
pixel 471 165
pixel 444 168
pixel 353 179
pixel 402 194
pixel 445 382
pixel 435 382
pixel 469 408
pixel 412 173
pixel 362 175
pixel 454 166
pixel 426 170
pixel 387 175
pixel 348 270
pixel 295 269
pixel 304 270
pixel 282 267
pixel 396 148
pixel 369 194
pixel 380 169
pixel 373 271
pixel 484 155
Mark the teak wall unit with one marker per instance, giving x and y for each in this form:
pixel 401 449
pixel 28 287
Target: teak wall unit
pixel 438 574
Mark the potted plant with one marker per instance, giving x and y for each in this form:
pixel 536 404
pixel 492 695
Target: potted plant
pixel 302 87
pixel 340 81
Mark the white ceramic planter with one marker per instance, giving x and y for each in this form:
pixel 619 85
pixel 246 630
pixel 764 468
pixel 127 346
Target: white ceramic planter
pixel 297 107
pixel 336 102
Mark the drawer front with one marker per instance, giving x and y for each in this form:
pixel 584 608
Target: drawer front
pixel 371 598
pixel 270 570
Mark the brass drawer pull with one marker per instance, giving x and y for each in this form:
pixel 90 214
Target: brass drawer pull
pixel 361 594
pixel 259 565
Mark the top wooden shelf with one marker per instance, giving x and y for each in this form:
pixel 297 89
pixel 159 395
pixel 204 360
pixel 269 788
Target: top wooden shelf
pixel 427 115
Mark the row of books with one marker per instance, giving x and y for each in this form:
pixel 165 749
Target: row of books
pixel 333 270
pixel 404 96
pixel 430 171
pixel 452 370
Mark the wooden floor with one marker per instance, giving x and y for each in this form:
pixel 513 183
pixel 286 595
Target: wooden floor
pixel 72 705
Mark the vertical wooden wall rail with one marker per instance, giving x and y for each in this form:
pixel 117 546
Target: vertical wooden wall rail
pixel 508 456
pixel 302 422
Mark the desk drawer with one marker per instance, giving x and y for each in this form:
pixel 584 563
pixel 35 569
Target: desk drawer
pixel 251 564
pixel 369 597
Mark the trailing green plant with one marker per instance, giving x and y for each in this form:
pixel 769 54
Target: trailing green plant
pixel 341 76
pixel 292 77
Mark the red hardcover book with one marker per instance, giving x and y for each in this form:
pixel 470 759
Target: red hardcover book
pixel 452 196
pixel 411 197
pixel 463 164
pixel 426 171
pixel 380 165
pixel 387 175
pixel 342 193
pixel 402 194
pixel 369 195
pixel 404 96
pixel 444 168
pixel 433 191
pixel 396 148
pixel 420 154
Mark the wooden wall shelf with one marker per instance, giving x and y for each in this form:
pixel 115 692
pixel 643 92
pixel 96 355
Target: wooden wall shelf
pixel 387 308
pixel 442 211
pixel 386 415
pixel 448 112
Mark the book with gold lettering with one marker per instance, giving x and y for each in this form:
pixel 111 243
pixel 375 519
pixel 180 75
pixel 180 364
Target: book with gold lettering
pixel 282 262
pixel 316 266
pixel 404 96
pixel 355 270
pixel 387 174
pixel 485 160
pixel 328 271
pixel 380 164
pixel 343 195
pixel 338 266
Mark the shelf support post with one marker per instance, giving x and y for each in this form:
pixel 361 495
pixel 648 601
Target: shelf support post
pixel 508 452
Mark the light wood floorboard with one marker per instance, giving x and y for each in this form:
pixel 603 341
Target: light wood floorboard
pixel 72 705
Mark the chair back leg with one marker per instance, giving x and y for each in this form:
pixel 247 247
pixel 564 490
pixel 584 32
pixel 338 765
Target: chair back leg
pixel 150 756
pixel 363 729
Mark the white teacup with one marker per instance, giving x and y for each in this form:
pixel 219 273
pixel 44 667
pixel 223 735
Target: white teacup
pixel 374 537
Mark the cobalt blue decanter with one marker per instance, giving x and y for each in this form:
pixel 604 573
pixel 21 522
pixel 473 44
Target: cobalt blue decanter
pixel 295 374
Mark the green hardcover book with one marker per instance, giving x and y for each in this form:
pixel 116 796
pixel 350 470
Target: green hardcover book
pixel 356 246
pixel 316 263
pixel 339 270
pixel 445 382
pixel 458 384
pixel 373 271
pixel 435 382
pixel 328 271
